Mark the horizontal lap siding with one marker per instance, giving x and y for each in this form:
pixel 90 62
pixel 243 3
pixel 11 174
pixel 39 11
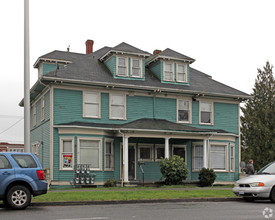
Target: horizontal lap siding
pixel 41 131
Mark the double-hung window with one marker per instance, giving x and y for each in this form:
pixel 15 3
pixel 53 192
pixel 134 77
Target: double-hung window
pixel 232 158
pixel 66 153
pixel 109 155
pixel 117 106
pixel 168 72
pixel 90 152
pixel 122 66
pixel 197 157
pixel 184 111
pixel 34 115
pixel 91 104
pixel 181 72
pixel 206 113
pixel 145 152
pixel 218 157
pixel 42 109
pixel 136 68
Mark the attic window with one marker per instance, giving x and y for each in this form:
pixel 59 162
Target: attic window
pixel 122 66
pixel 136 68
pixel 181 72
pixel 168 72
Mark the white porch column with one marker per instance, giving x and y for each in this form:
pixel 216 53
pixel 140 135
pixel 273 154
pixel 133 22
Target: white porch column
pixel 166 154
pixel 125 159
pixel 205 156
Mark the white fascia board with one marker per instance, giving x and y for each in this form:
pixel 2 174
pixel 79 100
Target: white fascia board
pixel 123 52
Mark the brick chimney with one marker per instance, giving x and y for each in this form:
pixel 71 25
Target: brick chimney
pixel 156 52
pixel 89 46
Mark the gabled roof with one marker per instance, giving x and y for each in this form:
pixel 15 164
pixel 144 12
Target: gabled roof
pixel 124 48
pixel 171 55
pixel 89 70
pixel 60 56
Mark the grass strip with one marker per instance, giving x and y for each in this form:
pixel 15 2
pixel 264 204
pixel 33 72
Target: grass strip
pixel 101 195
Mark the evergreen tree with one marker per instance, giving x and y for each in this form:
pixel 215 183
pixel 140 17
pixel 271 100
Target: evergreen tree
pixel 258 120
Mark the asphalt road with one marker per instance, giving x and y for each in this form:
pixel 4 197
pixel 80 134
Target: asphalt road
pixel 173 211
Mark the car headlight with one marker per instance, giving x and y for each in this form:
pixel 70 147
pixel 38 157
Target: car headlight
pixel 236 185
pixel 257 184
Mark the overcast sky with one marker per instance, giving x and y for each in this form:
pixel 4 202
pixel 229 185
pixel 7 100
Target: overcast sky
pixel 229 39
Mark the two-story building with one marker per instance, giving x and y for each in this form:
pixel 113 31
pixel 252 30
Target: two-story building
pixel 118 106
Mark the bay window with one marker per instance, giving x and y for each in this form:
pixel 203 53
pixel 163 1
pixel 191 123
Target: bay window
pixel 218 157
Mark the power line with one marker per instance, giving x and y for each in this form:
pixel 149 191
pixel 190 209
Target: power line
pixel 12 125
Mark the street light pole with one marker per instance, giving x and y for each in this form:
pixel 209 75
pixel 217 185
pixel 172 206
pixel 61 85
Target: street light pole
pixel 26 78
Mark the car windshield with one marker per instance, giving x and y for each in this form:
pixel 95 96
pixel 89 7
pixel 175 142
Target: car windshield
pixel 268 169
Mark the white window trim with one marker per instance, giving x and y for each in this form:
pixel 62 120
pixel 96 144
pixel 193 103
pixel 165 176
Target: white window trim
pixel 185 80
pixel 190 111
pixel 34 115
pixel 42 108
pixel 173 71
pixel 226 156
pixel 194 155
pixel 61 139
pixel 110 107
pixel 100 151
pixel 212 112
pixel 180 146
pixel 156 147
pixel 151 146
pixel 232 148
pixel 127 66
pixel 112 155
pixel 140 67
pixel 99 104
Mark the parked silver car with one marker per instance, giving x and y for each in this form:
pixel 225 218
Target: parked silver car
pixel 259 186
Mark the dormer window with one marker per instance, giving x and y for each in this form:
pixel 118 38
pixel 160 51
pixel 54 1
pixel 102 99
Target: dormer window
pixel 136 68
pixel 168 72
pixel 122 66
pixel 181 72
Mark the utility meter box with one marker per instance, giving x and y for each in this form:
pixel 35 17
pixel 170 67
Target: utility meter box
pixel 82 175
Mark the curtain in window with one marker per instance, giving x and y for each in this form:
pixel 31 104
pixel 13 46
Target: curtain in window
pixel 183 110
pixel 206 109
pixel 198 157
pixel 122 66
pixel 168 72
pixel 117 106
pixel 91 105
pixel 136 68
pixel 181 73
pixel 218 157
pixel 89 153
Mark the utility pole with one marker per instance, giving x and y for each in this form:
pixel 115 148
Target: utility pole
pixel 26 78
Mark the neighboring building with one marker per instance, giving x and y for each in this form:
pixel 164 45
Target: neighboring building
pixel 6 147
pixel 120 105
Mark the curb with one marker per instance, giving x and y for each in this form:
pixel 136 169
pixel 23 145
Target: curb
pixel 115 202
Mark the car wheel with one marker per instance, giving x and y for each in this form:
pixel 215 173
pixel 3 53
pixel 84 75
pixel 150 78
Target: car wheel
pixel 272 194
pixel 18 197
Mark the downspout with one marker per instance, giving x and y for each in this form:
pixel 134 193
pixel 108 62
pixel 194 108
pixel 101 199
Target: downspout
pixel 154 107
pixel 123 162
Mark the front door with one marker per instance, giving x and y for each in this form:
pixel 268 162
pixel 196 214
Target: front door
pixel 132 163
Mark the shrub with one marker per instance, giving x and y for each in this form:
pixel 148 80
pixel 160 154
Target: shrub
pixel 110 183
pixel 206 177
pixel 174 170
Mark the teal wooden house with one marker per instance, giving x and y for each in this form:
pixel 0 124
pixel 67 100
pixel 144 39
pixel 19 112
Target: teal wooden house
pixel 118 106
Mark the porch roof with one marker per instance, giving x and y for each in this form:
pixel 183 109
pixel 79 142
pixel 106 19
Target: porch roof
pixel 144 124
